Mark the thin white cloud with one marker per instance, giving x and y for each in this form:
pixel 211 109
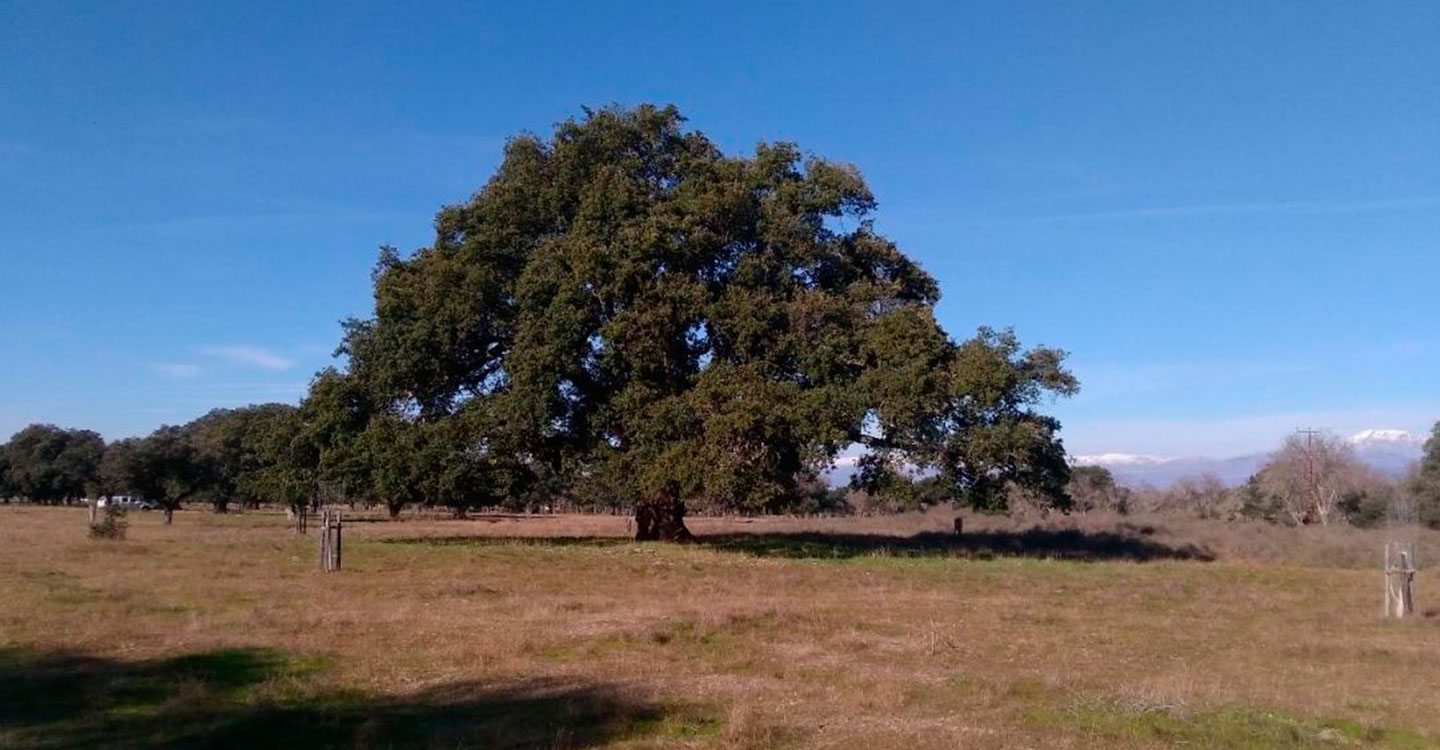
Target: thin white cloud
pixel 1411 349
pixel 1102 381
pixel 13 148
pixel 287 386
pixel 199 226
pixel 1234 434
pixel 236 393
pixel 250 356
pixel 177 370
pixel 1303 208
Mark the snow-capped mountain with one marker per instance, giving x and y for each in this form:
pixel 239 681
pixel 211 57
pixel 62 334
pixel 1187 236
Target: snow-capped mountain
pixel 1120 459
pixel 1160 472
pixel 1391 452
pixel 1388 437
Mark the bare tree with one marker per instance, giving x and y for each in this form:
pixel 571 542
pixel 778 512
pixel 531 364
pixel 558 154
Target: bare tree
pixel 1310 475
pixel 1202 495
pixel 1205 495
pixel 1094 488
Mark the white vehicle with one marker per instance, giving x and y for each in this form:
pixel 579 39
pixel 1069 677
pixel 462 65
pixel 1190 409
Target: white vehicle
pixel 127 502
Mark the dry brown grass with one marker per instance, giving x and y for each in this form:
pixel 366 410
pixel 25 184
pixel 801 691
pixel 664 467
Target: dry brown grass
pixel 555 631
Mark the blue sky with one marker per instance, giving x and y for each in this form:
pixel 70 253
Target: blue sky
pixel 1228 212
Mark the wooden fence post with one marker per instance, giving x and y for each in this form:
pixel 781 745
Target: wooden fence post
pixel 330 540
pixel 1399 580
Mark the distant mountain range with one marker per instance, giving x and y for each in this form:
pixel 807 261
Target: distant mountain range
pixel 1391 452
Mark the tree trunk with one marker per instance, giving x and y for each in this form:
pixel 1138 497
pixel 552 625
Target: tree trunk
pixel 661 521
pixel 394 507
pixel 169 515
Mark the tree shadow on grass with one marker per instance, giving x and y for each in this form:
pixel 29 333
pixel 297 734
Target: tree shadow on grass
pixel 356 517
pixel 476 540
pixel 246 698
pixel 1128 542
pixel 1059 544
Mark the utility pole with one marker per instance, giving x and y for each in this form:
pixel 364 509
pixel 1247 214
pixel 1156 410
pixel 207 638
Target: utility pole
pixel 1312 504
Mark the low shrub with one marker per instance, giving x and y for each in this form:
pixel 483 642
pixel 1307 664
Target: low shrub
pixel 112 524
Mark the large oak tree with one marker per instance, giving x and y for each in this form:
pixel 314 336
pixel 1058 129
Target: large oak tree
pixel 625 312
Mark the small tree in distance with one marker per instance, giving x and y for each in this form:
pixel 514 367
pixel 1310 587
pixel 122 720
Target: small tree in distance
pixel 1310 475
pixel 1093 488
pixel 112 524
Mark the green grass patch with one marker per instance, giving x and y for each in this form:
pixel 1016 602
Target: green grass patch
pixel 687 723
pixel 1239 728
pixel 950 693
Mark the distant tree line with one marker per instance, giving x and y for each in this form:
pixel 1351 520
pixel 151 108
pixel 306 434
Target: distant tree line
pixel 1317 480
pixel 220 459
pixel 279 453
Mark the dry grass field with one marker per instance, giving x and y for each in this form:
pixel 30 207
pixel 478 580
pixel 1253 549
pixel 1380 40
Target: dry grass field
pixel 556 631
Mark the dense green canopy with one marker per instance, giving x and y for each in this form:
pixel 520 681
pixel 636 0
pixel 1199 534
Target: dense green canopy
pixel 220 458
pixel 230 449
pixel 47 464
pixel 1425 482
pixel 624 313
pixel 164 467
